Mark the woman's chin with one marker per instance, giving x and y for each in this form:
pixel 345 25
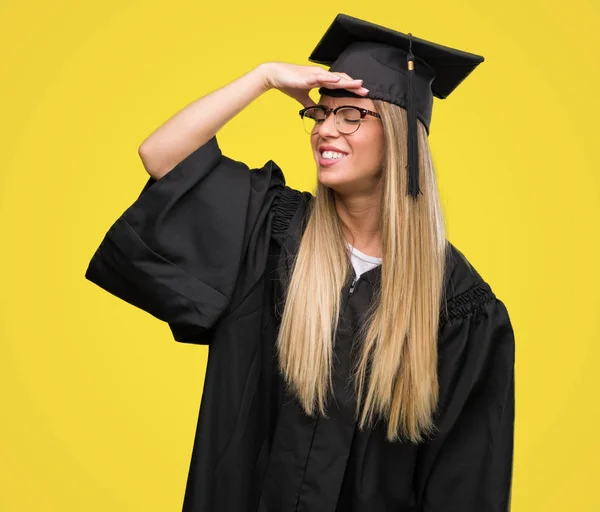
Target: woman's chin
pixel 331 180
pixel 328 178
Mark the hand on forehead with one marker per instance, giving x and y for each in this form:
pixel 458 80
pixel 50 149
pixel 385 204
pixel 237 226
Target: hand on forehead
pixel 332 102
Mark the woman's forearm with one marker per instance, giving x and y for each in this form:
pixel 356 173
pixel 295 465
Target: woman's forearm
pixel 198 122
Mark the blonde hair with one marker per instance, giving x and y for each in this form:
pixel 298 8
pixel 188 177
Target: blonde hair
pixel 395 371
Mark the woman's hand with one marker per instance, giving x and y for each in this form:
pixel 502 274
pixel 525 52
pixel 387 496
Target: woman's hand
pixel 296 81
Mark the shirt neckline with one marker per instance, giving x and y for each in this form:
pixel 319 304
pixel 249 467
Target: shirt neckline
pixel 363 256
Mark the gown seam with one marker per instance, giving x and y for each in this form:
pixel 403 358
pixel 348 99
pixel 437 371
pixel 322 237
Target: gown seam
pixel 472 299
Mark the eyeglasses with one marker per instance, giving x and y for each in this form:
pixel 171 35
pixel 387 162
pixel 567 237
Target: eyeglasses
pixel 347 117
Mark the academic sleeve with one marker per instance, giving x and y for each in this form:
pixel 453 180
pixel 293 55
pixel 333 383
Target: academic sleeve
pixel 176 251
pixel 467 467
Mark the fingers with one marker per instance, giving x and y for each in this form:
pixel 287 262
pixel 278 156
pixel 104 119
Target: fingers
pixel 339 77
pixel 345 75
pixel 302 96
pixel 345 82
pixel 328 77
pixel 337 80
pixel 307 101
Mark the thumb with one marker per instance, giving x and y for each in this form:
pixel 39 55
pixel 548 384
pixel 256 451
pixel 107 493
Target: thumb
pixel 304 98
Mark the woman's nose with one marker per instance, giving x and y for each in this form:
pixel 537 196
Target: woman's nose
pixel 328 127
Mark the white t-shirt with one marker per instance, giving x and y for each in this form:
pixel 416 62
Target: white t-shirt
pixel 362 262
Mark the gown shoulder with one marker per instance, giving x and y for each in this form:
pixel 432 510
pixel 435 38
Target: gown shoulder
pixel 468 463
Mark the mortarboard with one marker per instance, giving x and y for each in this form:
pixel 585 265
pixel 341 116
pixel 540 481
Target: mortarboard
pixel 395 67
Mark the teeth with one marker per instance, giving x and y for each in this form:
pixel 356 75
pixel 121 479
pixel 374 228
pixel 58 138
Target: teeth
pixel 332 154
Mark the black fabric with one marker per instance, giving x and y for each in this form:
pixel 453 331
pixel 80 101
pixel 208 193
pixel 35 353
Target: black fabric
pixel 208 249
pixel 178 251
pixel 328 465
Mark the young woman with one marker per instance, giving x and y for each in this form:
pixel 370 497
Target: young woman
pixel 357 361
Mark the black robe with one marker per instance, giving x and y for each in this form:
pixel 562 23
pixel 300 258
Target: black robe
pixel 207 248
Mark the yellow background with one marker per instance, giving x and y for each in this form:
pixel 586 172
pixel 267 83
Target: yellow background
pixel 98 403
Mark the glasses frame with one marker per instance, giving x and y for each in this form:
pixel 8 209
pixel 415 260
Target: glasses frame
pixel 363 113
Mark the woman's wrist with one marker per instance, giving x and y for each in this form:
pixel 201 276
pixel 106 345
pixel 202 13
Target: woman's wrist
pixel 263 72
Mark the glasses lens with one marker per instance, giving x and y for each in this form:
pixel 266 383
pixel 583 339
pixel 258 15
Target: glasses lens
pixel 312 116
pixel 348 120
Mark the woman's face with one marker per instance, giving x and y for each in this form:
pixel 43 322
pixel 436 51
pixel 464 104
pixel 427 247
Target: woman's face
pixel 359 171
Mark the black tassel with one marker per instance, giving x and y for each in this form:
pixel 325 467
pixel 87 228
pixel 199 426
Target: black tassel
pixel 412 140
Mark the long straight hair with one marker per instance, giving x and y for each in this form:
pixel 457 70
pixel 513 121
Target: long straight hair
pixel 395 369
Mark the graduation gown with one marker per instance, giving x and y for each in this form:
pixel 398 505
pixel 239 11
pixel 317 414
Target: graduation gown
pixel 207 249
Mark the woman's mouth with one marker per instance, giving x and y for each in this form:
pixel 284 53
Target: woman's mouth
pixel 329 158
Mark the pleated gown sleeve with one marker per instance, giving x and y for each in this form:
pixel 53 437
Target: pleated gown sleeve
pixel 177 251
pixel 468 466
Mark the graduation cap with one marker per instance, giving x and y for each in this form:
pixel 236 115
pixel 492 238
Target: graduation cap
pixel 395 67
